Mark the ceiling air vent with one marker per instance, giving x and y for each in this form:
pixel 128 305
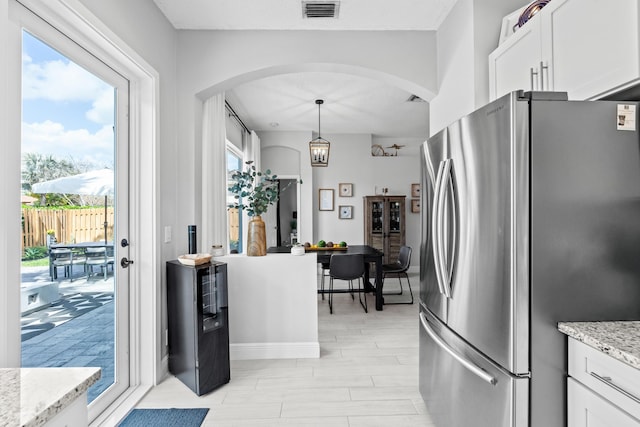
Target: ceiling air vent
pixel 320 9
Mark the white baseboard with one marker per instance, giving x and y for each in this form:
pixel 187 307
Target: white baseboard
pixel 285 350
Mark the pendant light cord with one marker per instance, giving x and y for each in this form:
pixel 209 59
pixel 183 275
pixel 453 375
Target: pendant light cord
pixel 319 102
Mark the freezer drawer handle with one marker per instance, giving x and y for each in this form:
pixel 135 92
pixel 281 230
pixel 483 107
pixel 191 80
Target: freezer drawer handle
pixel 610 383
pixel 484 375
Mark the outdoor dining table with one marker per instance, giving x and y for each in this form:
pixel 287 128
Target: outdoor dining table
pixel 370 254
pixel 75 246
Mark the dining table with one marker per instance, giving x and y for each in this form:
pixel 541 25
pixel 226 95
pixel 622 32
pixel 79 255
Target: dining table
pixel 79 246
pixel 370 254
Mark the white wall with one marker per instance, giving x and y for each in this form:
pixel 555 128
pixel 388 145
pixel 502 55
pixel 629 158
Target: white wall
pixel 123 18
pixel 456 82
pixel 213 61
pixel 465 39
pixel 9 190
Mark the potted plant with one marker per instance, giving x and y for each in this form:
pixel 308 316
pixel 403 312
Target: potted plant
pixel 254 192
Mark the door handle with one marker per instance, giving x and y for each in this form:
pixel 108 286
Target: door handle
pixel 449 247
pixel 543 68
pixel 608 381
pixel 475 369
pixel 435 232
pixel 446 266
pixel 533 75
pixel 124 262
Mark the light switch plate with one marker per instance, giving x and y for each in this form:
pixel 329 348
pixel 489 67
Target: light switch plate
pixel 167 234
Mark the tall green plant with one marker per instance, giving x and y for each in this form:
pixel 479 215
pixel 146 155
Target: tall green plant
pixel 254 191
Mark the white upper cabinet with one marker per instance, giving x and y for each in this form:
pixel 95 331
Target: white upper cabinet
pixel 587 48
pixel 515 64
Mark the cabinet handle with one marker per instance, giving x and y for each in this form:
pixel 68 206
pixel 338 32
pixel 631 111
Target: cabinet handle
pixel 610 383
pixel 533 74
pixel 543 68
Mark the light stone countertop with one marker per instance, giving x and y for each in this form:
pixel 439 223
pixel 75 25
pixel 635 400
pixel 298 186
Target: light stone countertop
pixel 620 340
pixel 29 397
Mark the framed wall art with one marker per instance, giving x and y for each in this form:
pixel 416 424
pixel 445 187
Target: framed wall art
pixel 325 199
pixel 415 190
pixel 345 212
pixel 345 189
pixel 415 205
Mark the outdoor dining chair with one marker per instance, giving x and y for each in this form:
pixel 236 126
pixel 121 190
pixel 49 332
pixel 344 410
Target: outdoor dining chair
pixel 96 257
pixel 61 258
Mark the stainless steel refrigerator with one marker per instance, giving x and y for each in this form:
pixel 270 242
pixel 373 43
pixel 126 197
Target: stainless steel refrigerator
pixel 531 216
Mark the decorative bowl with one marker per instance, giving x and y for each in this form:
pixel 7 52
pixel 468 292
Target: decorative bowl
pixel 194 259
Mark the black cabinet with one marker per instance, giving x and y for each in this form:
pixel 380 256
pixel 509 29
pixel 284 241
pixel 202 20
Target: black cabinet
pixel 198 318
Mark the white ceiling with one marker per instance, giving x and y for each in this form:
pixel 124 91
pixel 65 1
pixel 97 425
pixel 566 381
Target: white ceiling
pixel 352 104
pixel 375 15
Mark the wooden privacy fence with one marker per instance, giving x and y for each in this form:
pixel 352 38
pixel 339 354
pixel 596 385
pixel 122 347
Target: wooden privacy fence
pixel 69 225
pixel 234 224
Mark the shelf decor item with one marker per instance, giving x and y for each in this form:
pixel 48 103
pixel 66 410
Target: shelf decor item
pixel 345 190
pixel 194 259
pixel 254 192
pixel 530 11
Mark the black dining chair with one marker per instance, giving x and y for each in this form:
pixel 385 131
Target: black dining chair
pixel 349 268
pixel 324 266
pixel 399 269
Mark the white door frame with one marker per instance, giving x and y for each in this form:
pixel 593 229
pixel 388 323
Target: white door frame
pixel 74 20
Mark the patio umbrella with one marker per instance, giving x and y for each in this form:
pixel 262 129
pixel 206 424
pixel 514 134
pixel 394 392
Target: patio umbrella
pixel 93 183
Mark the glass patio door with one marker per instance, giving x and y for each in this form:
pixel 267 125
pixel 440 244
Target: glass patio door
pixel 74 121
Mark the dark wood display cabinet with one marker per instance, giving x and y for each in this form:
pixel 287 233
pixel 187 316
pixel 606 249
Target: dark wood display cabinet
pixel 384 224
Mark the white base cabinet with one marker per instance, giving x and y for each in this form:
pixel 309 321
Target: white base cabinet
pixel 588 409
pixel 601 391
pixel 588 48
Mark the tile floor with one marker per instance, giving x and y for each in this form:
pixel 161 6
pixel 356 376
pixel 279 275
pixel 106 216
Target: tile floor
pixel 367 375
pixel 76 331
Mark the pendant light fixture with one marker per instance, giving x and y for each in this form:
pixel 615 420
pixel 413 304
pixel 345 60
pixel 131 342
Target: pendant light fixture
pixel 319 147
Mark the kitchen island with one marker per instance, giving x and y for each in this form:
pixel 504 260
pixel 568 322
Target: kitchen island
pixel 31 397
pixel 273 306
pixel 370 254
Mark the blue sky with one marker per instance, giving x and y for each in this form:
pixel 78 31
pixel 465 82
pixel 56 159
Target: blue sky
pixel 67 112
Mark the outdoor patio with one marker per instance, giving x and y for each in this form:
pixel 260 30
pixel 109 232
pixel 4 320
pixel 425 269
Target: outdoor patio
pixel 76 330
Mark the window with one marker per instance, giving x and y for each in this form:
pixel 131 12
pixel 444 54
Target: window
pixel 234 221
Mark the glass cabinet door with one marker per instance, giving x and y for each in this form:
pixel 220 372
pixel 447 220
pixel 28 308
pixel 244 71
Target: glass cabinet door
pixel 394 217
pixel 377 217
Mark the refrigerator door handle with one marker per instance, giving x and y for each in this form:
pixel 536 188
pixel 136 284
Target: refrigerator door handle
pixel 447 264
pixel 479 372
pixel 435 228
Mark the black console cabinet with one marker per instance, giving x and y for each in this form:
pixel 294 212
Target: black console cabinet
pixel 198 318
